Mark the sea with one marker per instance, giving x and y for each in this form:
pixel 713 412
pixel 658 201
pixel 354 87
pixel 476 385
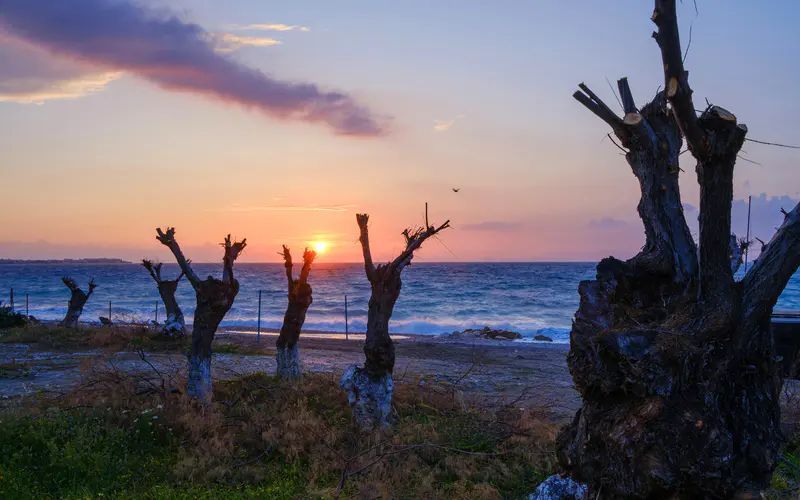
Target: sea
pixel 530 298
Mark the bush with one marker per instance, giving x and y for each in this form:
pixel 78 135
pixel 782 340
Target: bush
pixel 10 319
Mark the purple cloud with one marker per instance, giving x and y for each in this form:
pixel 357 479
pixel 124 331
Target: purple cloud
pixel 176 55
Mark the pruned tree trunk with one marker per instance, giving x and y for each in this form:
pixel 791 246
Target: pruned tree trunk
pixel 214 299
pixel 287 353
pixel 673 359
pixel 175 324
pixel 370 388
pixel 77 300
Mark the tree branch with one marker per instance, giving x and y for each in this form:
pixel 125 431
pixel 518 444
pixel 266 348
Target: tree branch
pixel 154 269
pixel 369 267
pixel 287 263
pixel 738 247
pixel 71 284
pixel 92 286
pixel 625 94
pixel 168 239
pixel 770 273
pixel 232 252
pixel 414 240
pixel 596 105
pixel 308 259
pixel 676 78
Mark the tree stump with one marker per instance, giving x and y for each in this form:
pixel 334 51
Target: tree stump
pixel 214 299
pixel 674 360
pixel 287 353
pixel 77 300
pixel 175 324
pixel 370 388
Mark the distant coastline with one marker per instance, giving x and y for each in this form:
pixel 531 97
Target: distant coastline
pixel 65 261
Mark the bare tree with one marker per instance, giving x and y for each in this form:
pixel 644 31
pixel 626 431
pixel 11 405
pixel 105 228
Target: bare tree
pixel 214 299
pixel 175 324
pixel 287 355
pixel 77 300
pixel 370 388
pixel 674 360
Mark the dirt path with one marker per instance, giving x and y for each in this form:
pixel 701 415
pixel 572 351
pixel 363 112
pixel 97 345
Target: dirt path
pixel 492 369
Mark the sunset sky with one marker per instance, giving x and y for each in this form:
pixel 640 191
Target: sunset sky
pixel 279 120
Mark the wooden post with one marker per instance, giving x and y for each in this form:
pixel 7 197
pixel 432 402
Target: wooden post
pixel 346 332
pixel 258 337
pixel 156 311
pixel 12 300
pixel 27 311
pixel 109 310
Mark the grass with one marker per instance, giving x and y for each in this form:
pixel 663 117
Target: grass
pixel 115 338
pixel 264 438
pixel 15 370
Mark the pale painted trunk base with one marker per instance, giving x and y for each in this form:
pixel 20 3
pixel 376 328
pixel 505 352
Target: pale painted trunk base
pixel 370 398
pixel 199 383
pixel 288 359
pixel 174 327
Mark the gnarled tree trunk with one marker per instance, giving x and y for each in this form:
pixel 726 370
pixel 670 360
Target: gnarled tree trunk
pixel 370 388
pixel 287 354
pixel 77 300
pixel 214 299
pixel 673 359
pixel 175 324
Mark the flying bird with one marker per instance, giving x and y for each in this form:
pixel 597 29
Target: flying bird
pixel 455 190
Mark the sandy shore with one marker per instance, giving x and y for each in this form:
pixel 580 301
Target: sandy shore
pixel 488 369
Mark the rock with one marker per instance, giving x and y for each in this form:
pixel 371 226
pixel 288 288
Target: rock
pixel 484 333
pixel 543 338
pixel 556 487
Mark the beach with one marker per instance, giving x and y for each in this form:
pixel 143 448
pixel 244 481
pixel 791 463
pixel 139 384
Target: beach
pixel 491 370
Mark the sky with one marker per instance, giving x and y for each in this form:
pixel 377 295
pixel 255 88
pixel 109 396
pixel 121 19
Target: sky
pixel 278 121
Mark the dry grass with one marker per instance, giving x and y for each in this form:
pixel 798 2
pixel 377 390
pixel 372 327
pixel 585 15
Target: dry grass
pixel 442 445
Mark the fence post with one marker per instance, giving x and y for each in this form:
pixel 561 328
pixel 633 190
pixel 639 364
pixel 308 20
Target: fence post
pixel 346 329
pixel 156 311
pixel 258 338
pixel 27 311
pixel 12 300
pixel 109 310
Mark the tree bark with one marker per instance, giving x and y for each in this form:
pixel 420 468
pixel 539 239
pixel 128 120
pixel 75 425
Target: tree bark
pixel 175 324
pixel 674 360
pixel 214 299
pixel 300 298
pixel 370 388
pixel 77 300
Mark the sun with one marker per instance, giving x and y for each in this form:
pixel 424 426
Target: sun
pixel 319 246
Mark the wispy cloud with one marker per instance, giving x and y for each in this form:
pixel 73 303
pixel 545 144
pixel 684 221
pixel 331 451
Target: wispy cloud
pixel 445 125
pixel 227 42
pixel 269 27
pixel 290 208
pixel 119 35
pixel 30 75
